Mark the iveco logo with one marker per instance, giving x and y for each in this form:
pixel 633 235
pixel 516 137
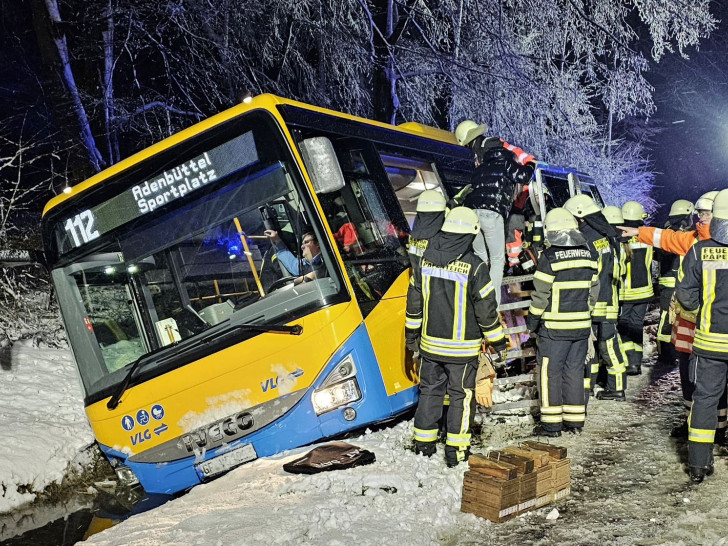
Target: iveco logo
pixel 215 434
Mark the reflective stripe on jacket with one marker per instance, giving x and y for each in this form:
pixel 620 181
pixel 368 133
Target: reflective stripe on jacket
pixel 566 287
pixel 702 287
pixel 452 308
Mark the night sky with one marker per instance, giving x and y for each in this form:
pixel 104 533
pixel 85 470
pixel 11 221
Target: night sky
pixel 690 154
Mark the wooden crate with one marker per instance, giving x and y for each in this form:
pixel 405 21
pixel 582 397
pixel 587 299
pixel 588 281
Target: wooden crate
pixel 562 492
pixel 523 465
pixel 540 458
pixel 527 492
pixel 544 485
pixel 484 465
pixel 555 452
pixel 490 498
pixel 561 472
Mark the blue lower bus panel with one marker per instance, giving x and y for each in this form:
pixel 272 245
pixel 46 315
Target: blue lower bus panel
pixel 298 427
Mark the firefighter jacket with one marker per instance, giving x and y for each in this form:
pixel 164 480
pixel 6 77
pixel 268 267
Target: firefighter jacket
pixel 637 282
pixel 601 239
pixel 675 242
pixel 702 287
pixel 668 262
pixel 426 226
pixel 566 287
pixel 451 303
pixel 495 179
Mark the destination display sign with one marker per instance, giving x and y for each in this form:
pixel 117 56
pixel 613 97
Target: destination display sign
pixel 166 187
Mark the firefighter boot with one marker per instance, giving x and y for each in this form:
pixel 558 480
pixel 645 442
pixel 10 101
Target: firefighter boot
pixel 611 395
pixel 456 455
pixel 427 449
pixel 680 431
pixel 634 370
pixel 698 473
pixel 720 437
pixel 541 431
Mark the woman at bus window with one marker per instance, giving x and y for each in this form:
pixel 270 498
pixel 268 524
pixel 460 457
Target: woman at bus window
pixel 311 265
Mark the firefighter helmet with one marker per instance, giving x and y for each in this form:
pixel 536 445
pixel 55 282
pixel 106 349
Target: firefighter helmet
pixel 468 130
pixel 705 201
pixel 559 219
pixel 581 205
pixel 681 207
pixel 461 220
pixel 720 205
pixel 632 210
pixel 431 201
pixel 613 215
pixel 719 224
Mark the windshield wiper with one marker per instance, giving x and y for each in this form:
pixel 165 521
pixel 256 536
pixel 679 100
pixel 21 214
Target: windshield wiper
pixel 295 330
pixel 114 401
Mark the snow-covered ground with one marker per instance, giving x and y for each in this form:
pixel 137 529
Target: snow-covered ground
pixel 628 483
pixel 43 427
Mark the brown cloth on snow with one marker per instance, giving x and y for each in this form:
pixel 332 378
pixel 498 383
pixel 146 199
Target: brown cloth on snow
pixel 334 456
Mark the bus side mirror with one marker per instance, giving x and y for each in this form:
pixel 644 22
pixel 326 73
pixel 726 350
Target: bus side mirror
pixel 321 163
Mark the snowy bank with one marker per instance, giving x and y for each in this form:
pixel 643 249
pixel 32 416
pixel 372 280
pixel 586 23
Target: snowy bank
pixel 44 427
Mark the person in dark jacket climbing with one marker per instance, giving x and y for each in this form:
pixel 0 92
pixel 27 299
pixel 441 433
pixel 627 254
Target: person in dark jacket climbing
pixel 497 174
pixel 451 308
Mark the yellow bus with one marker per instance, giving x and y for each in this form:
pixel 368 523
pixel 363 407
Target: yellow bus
pixel 204 333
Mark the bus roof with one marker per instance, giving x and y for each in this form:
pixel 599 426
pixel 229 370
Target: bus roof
pixel 266 102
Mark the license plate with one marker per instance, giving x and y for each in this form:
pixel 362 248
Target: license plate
pixel 226 461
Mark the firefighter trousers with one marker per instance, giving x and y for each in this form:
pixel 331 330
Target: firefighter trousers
pixel 436 380
pixel 610 353
pixel 709 375
pixel 630 325
pixel 561 382
pixel 664 329
pixel 687 363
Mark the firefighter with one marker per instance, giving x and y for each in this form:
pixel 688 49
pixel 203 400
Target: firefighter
pixel 431 205
pixel 636 290
pixel 679 219
pixel 683 328
pixel 602 239
pixel 702 288
pixel 499 170
pixel 451 307
pixel 566 286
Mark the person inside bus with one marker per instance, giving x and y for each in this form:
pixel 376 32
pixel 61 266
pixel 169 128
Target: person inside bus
pixel 311 265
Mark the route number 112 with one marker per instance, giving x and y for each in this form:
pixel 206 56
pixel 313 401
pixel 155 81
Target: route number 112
pixel 81 228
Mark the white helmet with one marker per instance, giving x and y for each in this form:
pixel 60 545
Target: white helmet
pixel 461 220
pixel 431 201
pixel 705 201
pixel 468 130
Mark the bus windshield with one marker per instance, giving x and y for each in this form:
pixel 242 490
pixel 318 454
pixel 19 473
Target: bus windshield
pixel 166 281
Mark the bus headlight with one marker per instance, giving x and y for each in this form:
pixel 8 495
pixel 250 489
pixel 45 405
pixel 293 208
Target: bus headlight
pixel 339 388
pixel 126 476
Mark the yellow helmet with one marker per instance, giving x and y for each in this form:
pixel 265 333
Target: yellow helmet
pixel 461 220
pixel 720 205
pixel 613 215
pixel 431 201
pixel 559 219
pixel 705 201
pixel 680 207
pixel 581 205
pixel 468 130
pixel 632 210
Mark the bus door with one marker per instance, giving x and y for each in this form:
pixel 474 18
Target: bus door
pixel 371 233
